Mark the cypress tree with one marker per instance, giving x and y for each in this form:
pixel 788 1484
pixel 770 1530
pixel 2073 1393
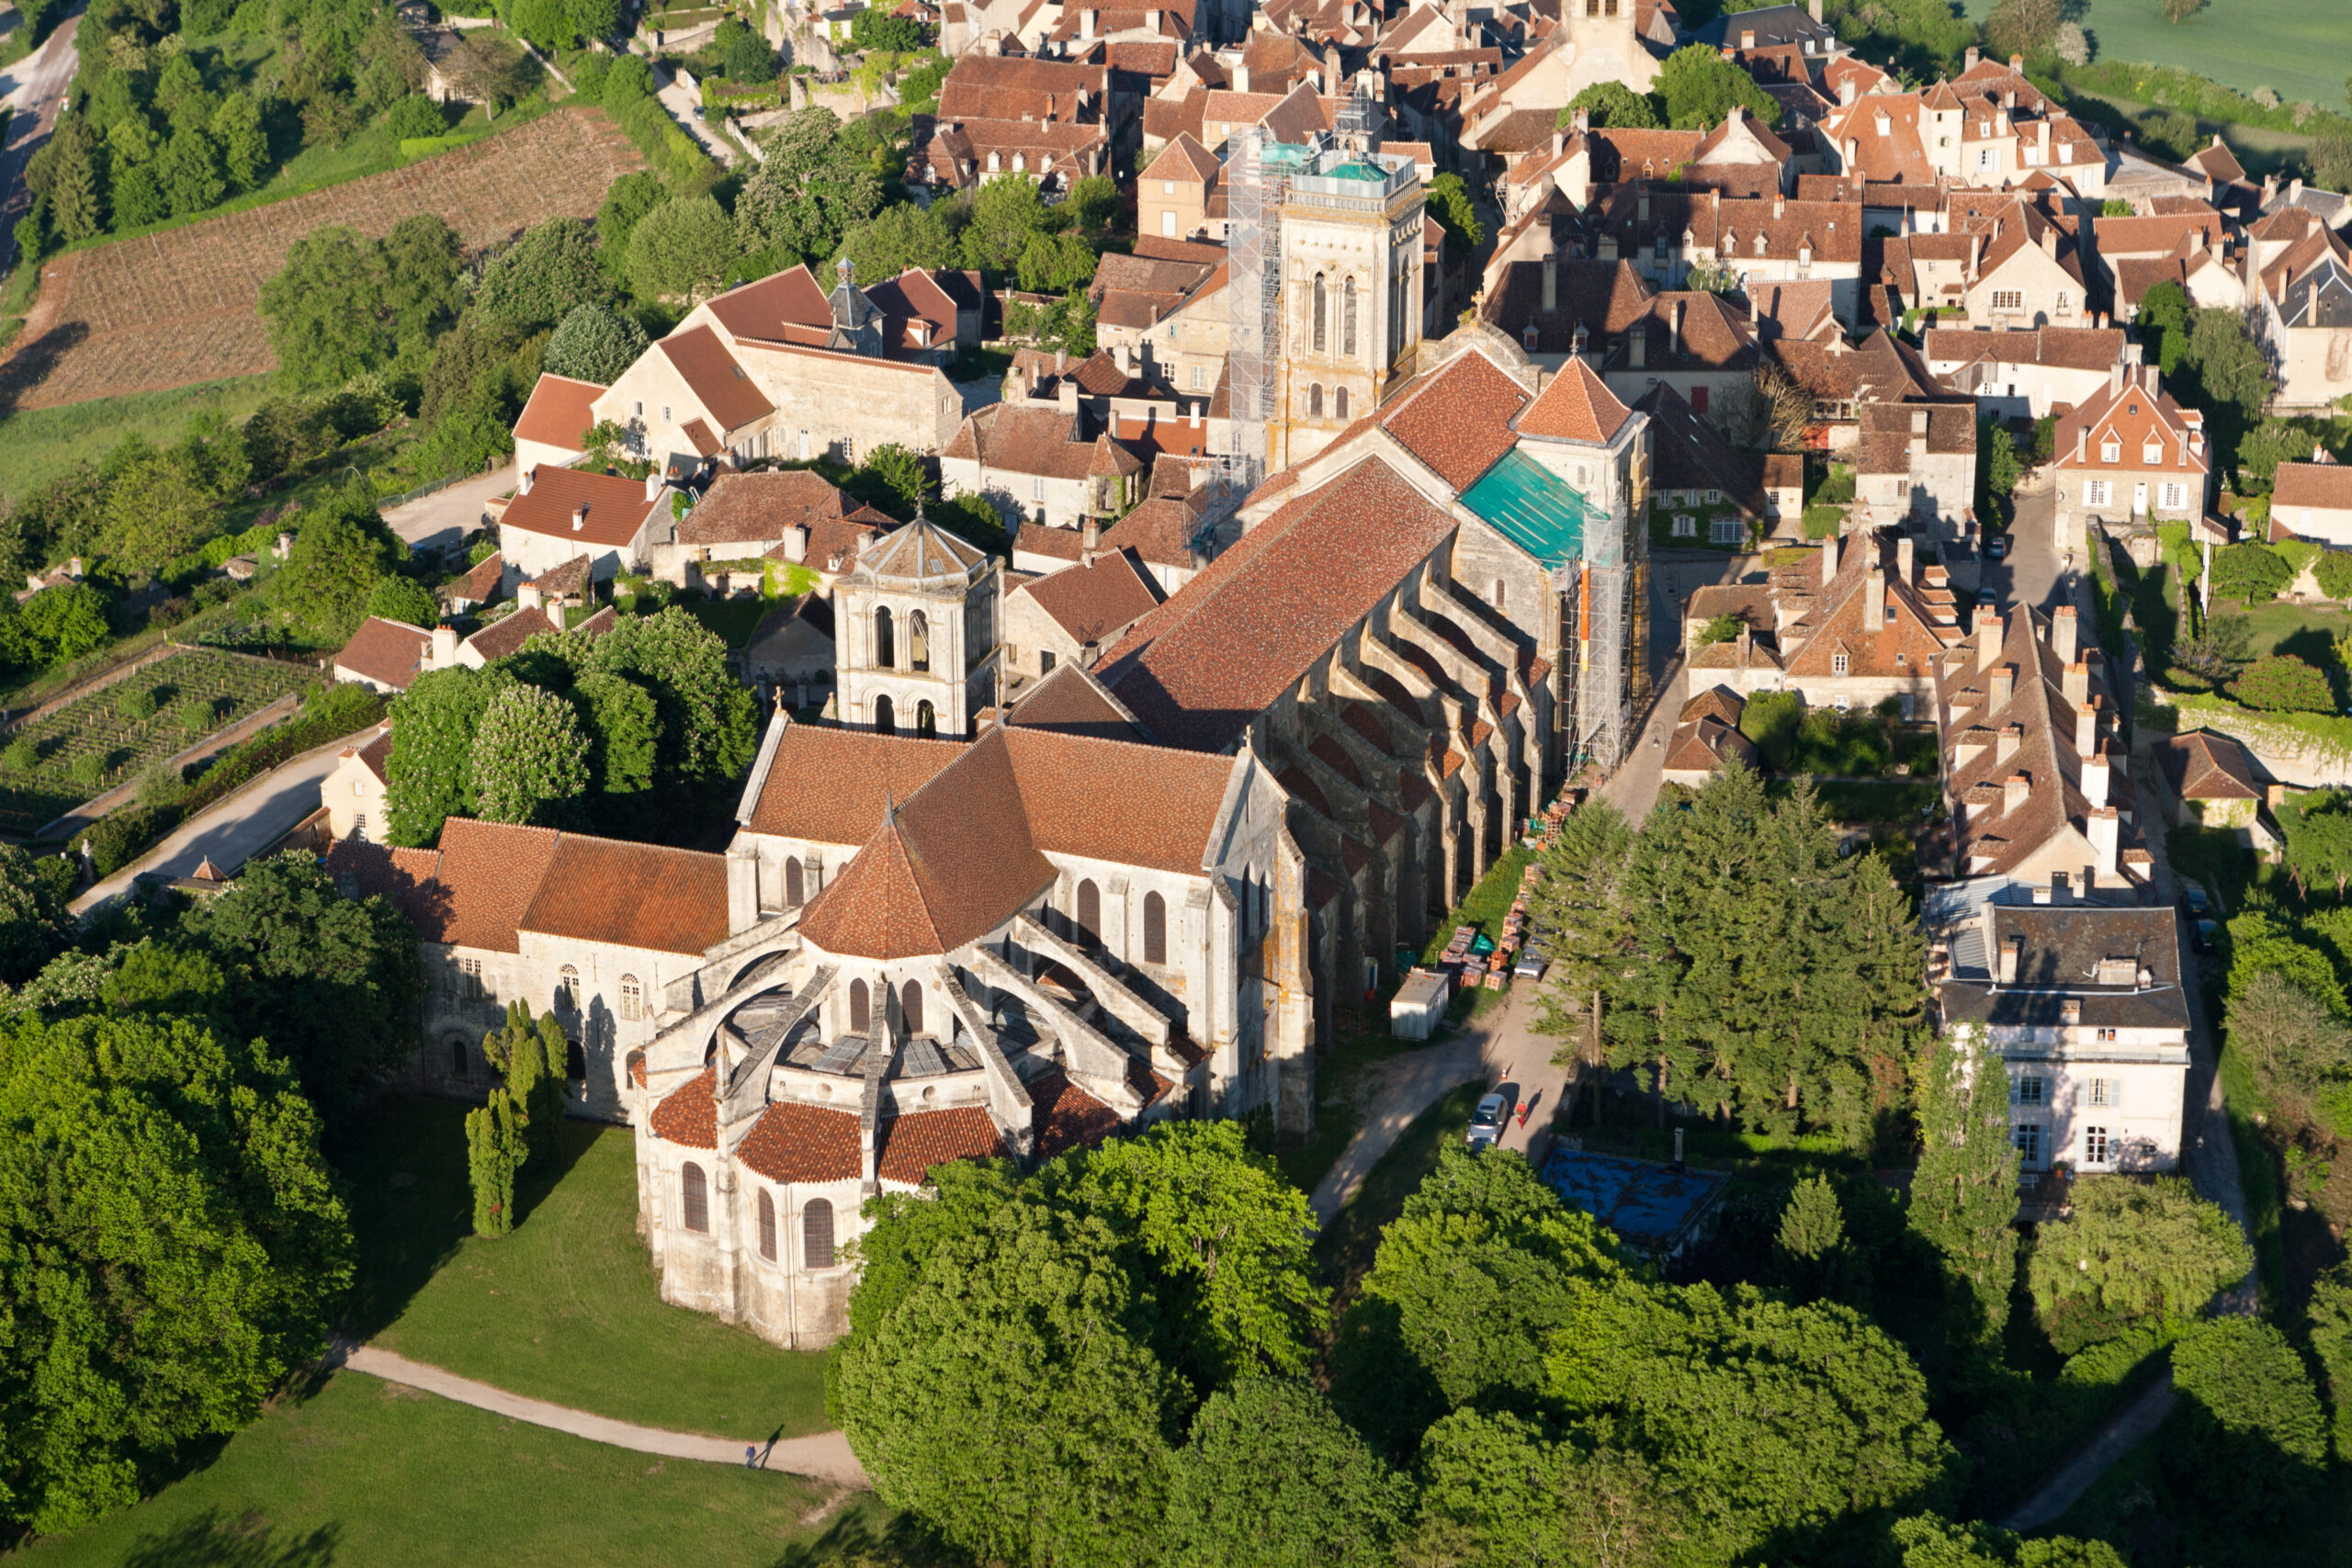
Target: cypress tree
pixel 1964 1195
pixel 494 1152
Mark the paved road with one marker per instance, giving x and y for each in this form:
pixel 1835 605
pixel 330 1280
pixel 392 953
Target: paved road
pixel 35 89
pixel 1503 1052
pixel 234 829
pixel 439 521
pixel 824 1456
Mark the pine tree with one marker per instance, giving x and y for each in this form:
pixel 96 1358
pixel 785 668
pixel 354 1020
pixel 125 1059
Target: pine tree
pixel 77 201
pixel 1964 1195
pixel 546 1107
pixel 494 1152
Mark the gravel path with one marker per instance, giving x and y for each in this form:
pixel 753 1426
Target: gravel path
pixel 822 1456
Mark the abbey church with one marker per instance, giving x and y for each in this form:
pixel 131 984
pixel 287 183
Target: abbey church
pixel 954 925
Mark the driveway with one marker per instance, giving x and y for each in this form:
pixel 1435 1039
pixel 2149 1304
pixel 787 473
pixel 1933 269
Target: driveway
pixel 35 89
pixel 1675 575
pixel 2039 572
pixel 439 521
pixel 682 105
pixel 232 830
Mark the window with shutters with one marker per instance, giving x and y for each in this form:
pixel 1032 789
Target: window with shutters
pixel 1685 526
pixel 2029 1089
pixel 817 1234
pixel 2099 1091
pixel 1154 929
pixel 2110 450
pixel 767 1226
pixel 2027 1135
pixel 632 999
pixel 694 1197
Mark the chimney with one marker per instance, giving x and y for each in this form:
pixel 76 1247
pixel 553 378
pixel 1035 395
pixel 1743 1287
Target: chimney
pixel 1905 559
pixel 579 519
pixel 2017 63
pixel 653 485
pixel 1780 204
pixel 1813 9
pixel 1551 280
pixel 1066 394
pixel 2075 683
pixel 1988 636
pixel 1637 348
pixel 1090 539
pixel 2107 838
pixel 2063 640
pixel 2050 239
pixel 2012 948
pixel 1151 23
pixel 2004 685
pixel 1971 58
pixel 1560 141
pixel 1829 560
pixel 1747 37
pixel 1674 319
pixel 2016 790
pixel 742 889
pixel 2042 138
pixel 1087 22
pixel 2085 729
pixel 795 543
pixel 1241 78
pixel 444 647
pixel 2006 743
pixel 1874 601
pixel 523 487
pixel 2094 780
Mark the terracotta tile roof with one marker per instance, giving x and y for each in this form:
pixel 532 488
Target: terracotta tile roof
pixel 2202 765
pixel 377 753
pixel 1689 453
pixel 835 543
pixel 1576 405
pixel 765 309
pixel 508 634
pixel 616 507
pixel 913 1141
pixel 2325 485
pixel 402 878
pixel 828 786
pixel 688 1115
pixel 1095 603
pixel 1458 422
pixel 1071 702
pixel 792 1142
pixel 389 652
pixel 634 895
pixel 483 583
pixel 722 386
pixel 1160 532
pixel 1065 1117
pixel 559 413
pixel 1700 744
pixel 980 86
pixel 1196 670
pixel 566 579
pixel 2134 414
pixel 1887 429
pixel 745 509
pixel 2063 348
pixel 1182 158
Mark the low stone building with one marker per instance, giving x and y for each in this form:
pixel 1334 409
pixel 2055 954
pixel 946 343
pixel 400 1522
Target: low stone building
pixel 1706 737
pixel 1045 464
pixel 2313 501
pixel 2206 779
pixel 1071 615
pixel 791 650
pixel 354 794
pixel 2086 1008
pixel 553 426
pixel 2029 374
pixel 559 515
pixel 385 656
pixel 1916 464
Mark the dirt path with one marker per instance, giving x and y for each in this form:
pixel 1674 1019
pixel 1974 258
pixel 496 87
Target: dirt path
pixel 822 1456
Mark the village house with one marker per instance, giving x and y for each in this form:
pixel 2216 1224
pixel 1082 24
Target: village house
pixel 1041 464
pixel 1699 484
pixel 2028 374
pixel 1706 737
pixel 1070 616
pixel 2132 451
pixel 2303 307
pixel 2190 246
pixel 2085 1007
pixel 559 515
pixel 2209 780
pixel 1916 461
pixel 2313 501
pixel 552 429
pixel 385 656
pixel 354 794
pixel 746 523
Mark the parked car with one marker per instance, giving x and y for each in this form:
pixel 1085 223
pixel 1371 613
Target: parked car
pixel 2193 902
pixel 1531 965
pixel 1486 1122
pixel 1995 546
pixel 2200 935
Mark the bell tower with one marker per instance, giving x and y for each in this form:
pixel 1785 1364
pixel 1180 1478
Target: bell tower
pixel 915 634
pixel 1352 287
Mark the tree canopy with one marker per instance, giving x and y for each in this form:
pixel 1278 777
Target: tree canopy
pixel 1273 1478
pixel 171 1246
pixel 552 269
pixel 2135 1248
pixel 1964 1194
pixel 812 191
pixel 1700 89
pixel 343 304
pixel 594 344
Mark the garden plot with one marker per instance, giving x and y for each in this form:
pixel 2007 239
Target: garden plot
pixel 89 746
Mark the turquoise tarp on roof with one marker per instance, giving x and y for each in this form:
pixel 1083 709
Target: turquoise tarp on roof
pixel 1355 170
pixel 1532 506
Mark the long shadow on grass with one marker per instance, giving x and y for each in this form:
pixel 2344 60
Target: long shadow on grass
pixel 214 1541
pixel 30 366
pixel 899 1540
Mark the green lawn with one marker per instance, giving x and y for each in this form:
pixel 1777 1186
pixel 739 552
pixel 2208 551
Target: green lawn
pixel 565 1309
pixel 2294 46
pixel 1486 905
pixel 1346 1246
pixel 365 1472
pixel 734 619
pixel 37 445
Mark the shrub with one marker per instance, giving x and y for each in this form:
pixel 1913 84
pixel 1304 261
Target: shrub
pixel 22 756
pixel 2250 571
pixel 414 116
pixel 1723 629
pixel 1772 720
pixel 136 704
pixel 89 770
pixel 2281 682
pixel 193 716
pixel 2334 573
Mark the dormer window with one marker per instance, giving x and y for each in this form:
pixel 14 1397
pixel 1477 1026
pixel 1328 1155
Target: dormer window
pixel 2110 450
pixel 2152 452
pixel 1760 245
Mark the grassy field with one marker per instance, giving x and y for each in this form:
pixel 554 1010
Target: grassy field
pixel 364 1473
pixel 2301 49
pixel 564 1309
pixel 1486 904
pixel 37 444
pixel 93 743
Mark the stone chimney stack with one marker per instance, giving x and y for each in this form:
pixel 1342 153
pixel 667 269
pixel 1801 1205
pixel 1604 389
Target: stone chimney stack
pixel 523 486
pixel 2107 839
pixel 2063 641
pixel 579 519
pixel 2087 730
pixel 1988 637
pixel 653 484
pixel 1906 565
pixel 1829 560
pixel 2094 780
pixel 1089 540
pixel 1551 280
pixel 2075 683
pixel 2016 790
pixel 1066 394
pixel 2012 951
pixel 1875 601
pixel 2005 744
pixel 2004 685
pixel 444 647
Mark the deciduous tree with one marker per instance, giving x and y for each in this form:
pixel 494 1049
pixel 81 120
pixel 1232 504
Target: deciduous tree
pixel 1273 1478
pixel 1964 1195
pixel 2135 1249
pixel 594 344
pixel 495 1150
pixel 2281 682
pixel 810 193
pixel 530 759
pixel 429 776
pixel 551 270
pixel 2246 1432
pixel 1612 105
pixel 681 249
pixel 1700 89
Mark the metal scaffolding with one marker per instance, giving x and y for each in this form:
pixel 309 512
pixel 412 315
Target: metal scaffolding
pixel 1252 294
pixel 1604 689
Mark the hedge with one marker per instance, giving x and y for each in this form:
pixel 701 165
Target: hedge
pixel 415 147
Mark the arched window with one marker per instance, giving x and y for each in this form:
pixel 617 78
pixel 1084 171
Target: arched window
pixel 919 641
pixel 697 1204
pixel 1340 401
pixel 1090 908
pixel 884 723
pixel 1315 399
pixel 926 721
pixel 886 646
pixel 1154 929
pixel 632 999
pixel 767 1226
pixel 857 1008
pixel 575 1062
pixel 1498 595
pixel 1317 307
pixel 1347 318
pixel 461 1064
pixel 796 889
pixel 817 1234
pixel 567 988
pixel 910 1006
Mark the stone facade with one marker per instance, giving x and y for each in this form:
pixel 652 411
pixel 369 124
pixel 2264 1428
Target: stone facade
pixel 917 634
